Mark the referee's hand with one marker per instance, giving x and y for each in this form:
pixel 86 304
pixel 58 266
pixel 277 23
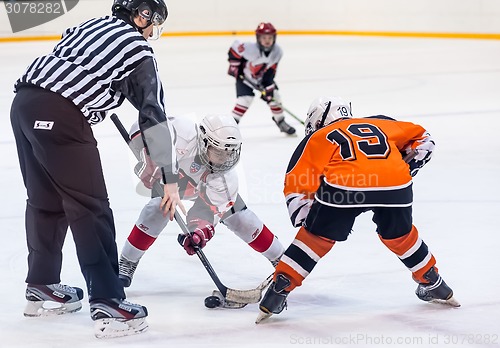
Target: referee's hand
pixel 171 200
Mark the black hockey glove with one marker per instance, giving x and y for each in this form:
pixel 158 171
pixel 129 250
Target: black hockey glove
pixel 268 93
pixel 424 150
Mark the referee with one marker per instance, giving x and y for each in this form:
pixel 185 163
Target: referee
pixel 93 69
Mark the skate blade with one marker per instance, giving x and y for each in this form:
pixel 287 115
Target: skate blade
pixel 262 316
pixel 50 308
pixel 113 327
pixel 450 302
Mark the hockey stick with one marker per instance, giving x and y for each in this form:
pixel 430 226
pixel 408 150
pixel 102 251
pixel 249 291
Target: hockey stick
pixel 232 298
pixel 263 92
pixel 241 297
pixel 410 155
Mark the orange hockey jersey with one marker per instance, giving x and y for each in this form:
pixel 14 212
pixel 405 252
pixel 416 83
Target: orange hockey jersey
pixel 355 155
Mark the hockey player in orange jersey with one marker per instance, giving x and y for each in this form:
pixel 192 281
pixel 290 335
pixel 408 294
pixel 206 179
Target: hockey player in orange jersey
pixel 343 167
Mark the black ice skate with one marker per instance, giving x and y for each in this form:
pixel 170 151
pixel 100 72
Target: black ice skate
pixel 436 290
pixel 284 127
pixel 126 270
pixel 274 300
pixel 117 318
pixel 53 299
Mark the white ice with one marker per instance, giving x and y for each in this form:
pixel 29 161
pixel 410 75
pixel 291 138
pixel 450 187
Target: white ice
pixel 360 294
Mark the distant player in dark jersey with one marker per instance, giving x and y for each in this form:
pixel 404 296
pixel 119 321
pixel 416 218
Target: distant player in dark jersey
pixel 344 167
pixel 257 63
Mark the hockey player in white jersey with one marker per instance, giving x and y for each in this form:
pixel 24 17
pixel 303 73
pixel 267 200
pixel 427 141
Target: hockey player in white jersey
pixel 257 62
pixel 207 154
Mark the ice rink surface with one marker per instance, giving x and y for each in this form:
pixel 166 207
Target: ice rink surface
pixel 360 294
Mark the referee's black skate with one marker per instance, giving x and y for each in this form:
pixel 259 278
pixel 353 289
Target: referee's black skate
pixel 274 300
pixel 116 318
pixel 436 290
pixel 284 127
pixel 53 299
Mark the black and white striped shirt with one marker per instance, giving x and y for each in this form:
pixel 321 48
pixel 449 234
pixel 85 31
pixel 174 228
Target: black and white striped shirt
pixel 99 64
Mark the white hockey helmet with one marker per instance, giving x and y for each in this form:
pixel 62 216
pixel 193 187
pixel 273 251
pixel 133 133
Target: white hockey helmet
pixel 219 142
pixel 325 110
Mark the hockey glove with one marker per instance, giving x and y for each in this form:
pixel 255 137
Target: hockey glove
pixel 203 231
pixel 147 170
pixel 424 150
pixel 268 93
pixel 234 68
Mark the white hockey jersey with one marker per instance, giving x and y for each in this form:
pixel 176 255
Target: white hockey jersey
pixel 196 181
pixel 257 62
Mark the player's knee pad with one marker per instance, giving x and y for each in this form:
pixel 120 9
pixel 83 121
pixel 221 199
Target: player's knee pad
pixel 245 224
pixel 276 98
pixel 242 105
pixel 151 220
pixel 275 106
pixel 238 205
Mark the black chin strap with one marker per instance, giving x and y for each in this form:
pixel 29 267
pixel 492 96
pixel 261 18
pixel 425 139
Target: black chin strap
pixel 139 29
pixel 129 18
pixel 323 118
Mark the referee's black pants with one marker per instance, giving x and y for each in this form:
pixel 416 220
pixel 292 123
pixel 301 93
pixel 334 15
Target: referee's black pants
pixel 63 176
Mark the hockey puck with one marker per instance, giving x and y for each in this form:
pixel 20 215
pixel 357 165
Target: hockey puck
pixel 212 302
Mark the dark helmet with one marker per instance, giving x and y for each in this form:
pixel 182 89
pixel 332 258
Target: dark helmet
pixel 155 11
pixel 265 29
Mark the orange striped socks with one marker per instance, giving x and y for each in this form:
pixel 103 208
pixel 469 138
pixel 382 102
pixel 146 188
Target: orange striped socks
pixel 413 252
pixel 301 257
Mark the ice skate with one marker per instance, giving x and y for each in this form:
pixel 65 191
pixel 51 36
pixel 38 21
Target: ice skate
pixel 274 300
pixel 284 127
pixel 126 270
pixel 53 299
pixel 117 318
pixel 436 291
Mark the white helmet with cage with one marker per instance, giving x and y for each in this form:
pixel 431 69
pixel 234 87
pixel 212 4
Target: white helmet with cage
pixel 219 142
pixel 325 110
